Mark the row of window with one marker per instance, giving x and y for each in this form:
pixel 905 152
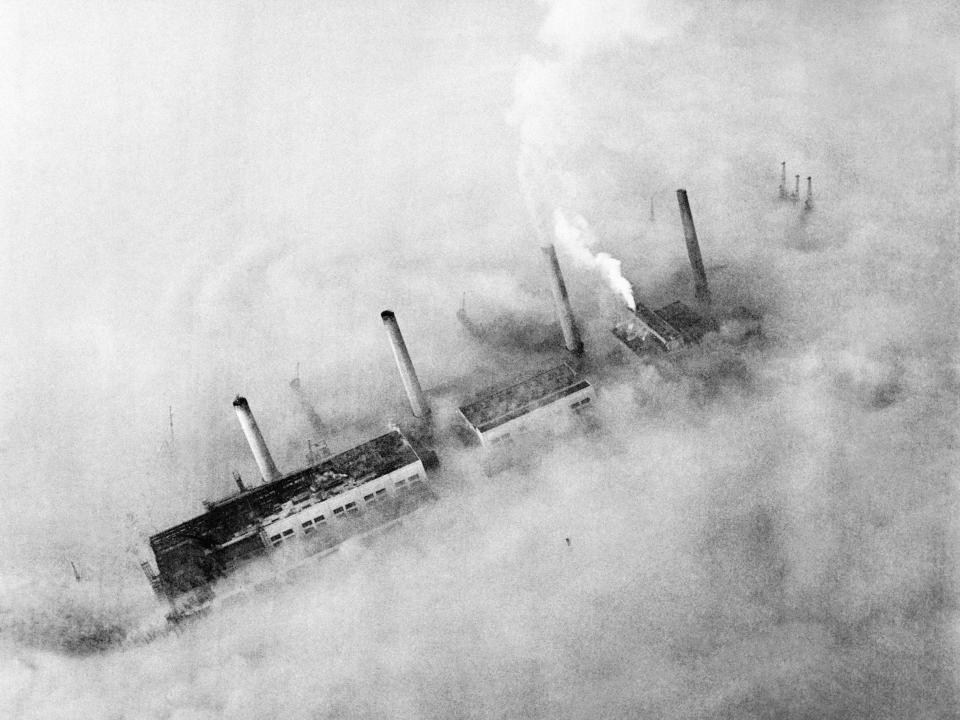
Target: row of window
pixel 350 508
pixel 375 497
pixel 580 403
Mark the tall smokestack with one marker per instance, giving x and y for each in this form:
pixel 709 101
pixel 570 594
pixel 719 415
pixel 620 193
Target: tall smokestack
pixel 418 401
pixel 702 292
pixel 783 179
pixel 796 188
pixel 571 335
pixel 257 446
pixel 808 203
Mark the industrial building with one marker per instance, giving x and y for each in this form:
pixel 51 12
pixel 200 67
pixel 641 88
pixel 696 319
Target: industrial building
pixel 669 328
pixel 496 416
pixel 675 325
pixel 288 519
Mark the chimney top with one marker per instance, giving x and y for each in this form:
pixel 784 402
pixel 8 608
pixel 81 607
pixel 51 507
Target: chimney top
pixel 239 401
pixel 387 315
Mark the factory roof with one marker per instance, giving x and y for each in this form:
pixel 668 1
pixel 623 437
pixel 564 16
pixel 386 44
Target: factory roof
pixel 495 407
pixel 233 515
pixel 654 320
pixel 690 324
pixel 672 326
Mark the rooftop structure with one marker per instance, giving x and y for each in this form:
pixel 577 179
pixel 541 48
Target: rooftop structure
pixel 496 412
pixel 669 328
pixel 257 521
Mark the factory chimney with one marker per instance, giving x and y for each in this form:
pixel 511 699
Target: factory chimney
pixel 693 249
pixel 796 188
pixel 418 401
pixel 257 446
pixel 783 180
pixel 312 417
pixel 808 203
pixel 571 335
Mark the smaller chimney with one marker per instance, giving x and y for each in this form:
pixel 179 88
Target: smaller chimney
pixel 796 188
pixel 316 422
pixel 255 439
pixel 153 577
pixel 571 334
pixel 783 180
pixel 808 203
pixel 693 249
pixel 239 481
pixel 418 401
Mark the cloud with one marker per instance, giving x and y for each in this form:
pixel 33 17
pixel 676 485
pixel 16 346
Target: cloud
pixel 205 198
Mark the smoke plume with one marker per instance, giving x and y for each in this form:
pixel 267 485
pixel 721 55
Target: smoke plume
pixel 576 238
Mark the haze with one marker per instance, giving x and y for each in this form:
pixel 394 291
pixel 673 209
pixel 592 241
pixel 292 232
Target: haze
pixel 198 197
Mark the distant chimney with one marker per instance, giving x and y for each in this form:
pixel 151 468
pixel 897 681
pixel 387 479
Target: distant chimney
pixel 257 446
pixel 702 292
pixel 783 180
pixel 418 401
pixel 312 417
pixel 239 481
pixel 808 203
pixel 571 335
pixel 796 188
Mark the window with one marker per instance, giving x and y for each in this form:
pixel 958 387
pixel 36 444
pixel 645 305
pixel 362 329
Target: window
pixel 368 498
pixel 399 483
pixel 580 403
pixel 381 492
pixel 287 533
pixel 414 477
pixel 307 524
pixel 338 511
pixel 274 538
pixel 319 519
pixel 352 508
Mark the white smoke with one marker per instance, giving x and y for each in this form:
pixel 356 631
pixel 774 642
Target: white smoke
pixel 541 183
pixel 577 238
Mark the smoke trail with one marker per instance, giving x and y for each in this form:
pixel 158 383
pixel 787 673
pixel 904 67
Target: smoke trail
pixel 576 237
pixel 541 179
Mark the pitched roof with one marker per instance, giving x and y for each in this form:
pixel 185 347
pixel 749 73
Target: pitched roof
pixel 230 516
pixel 495 407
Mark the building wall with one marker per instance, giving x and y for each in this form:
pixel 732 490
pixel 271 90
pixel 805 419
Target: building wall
pixel 294 549
pixel 340 506
pixel 548 416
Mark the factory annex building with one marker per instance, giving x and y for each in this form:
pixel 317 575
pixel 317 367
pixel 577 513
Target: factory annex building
pixel 289 519
pixel 496 416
